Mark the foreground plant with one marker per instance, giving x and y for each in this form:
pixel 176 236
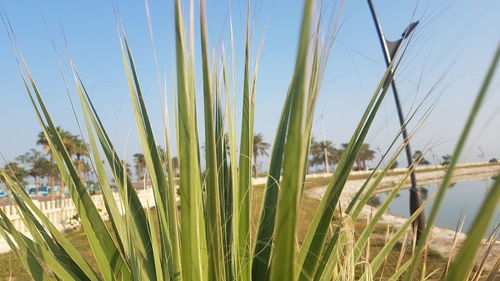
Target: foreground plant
pixel 207 234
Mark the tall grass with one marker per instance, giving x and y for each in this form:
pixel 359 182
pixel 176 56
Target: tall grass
pixel 206 235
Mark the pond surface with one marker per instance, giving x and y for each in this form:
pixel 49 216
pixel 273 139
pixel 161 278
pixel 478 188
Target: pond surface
pixel 462 199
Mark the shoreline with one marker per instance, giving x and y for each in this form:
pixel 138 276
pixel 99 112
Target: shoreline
pixel 60 210
pixel 441 239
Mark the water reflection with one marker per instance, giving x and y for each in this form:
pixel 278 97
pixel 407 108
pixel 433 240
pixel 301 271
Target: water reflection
pixel 461 198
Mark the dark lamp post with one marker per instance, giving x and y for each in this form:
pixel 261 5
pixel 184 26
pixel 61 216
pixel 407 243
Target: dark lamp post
pixel 389 49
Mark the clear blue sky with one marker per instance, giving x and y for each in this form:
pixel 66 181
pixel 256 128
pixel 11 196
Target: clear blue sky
pixel 455 37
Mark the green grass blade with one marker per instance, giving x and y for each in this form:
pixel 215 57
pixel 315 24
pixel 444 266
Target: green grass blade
pixel 112 208
pixel 164 193
pixel 379 259
pixel 354 209
pixel 59 239
pixel 263 245
pixel 314 241
pixel 364 237
pixel 193 239
pixel 283 260
pixel 44 255
pixel 27 259
pixel 131 203
pixel 225 175
pixel 110 261
pixel 155 246
pixel 456 154
pixel 43 239
pixel 242 194
pixel 463 262
pixel 402 269
pixel 213 211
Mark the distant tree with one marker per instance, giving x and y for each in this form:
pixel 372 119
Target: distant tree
pixel 68 141
pixel 218 144
pixel 175 166
pixel 374 201
pixel 226 142
pixel 16 172
pixel 126 166
pixel 314 154
pixel 163 155
pixel 446 160
pixel 38 166
pixel 365 154
pixel 86 171
pixel 493 160
pixel 260 148
pixel 67 138
pixel 75 146
pixel 418 157
pixel 79 149
pixel 320 151
pixel 424 193
pixel 139 165
pixel 394 165
pixel 42 140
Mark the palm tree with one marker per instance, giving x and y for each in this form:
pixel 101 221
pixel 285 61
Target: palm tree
pixel 315 153
pixel 139 165
pixel 260 148
pixel 38 165
pixel 418 157
pixel 79 149
pixel 68 142
pixel 323 153
pixel 364 154
pixel 126 166
pixel 86 170
pixel 16 172
pixel 42 140
pixel 163 156
pixel 446 160
pixel 175 166
pixel 74 146
pixel 66 136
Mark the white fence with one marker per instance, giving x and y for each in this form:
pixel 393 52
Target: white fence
pixel 62 211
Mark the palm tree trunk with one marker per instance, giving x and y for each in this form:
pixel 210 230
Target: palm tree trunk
pixel 255 169
pixel 79 167
pixel 327 169
pixel 52 180
pixel 61 186
pixel 37 185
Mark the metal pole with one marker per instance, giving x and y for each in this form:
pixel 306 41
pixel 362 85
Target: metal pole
pixel 415 200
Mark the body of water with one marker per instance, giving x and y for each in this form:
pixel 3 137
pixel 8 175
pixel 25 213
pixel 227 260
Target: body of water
pixel 462 199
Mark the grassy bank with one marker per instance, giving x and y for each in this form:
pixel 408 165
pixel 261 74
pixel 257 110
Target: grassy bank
pixel 11 269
